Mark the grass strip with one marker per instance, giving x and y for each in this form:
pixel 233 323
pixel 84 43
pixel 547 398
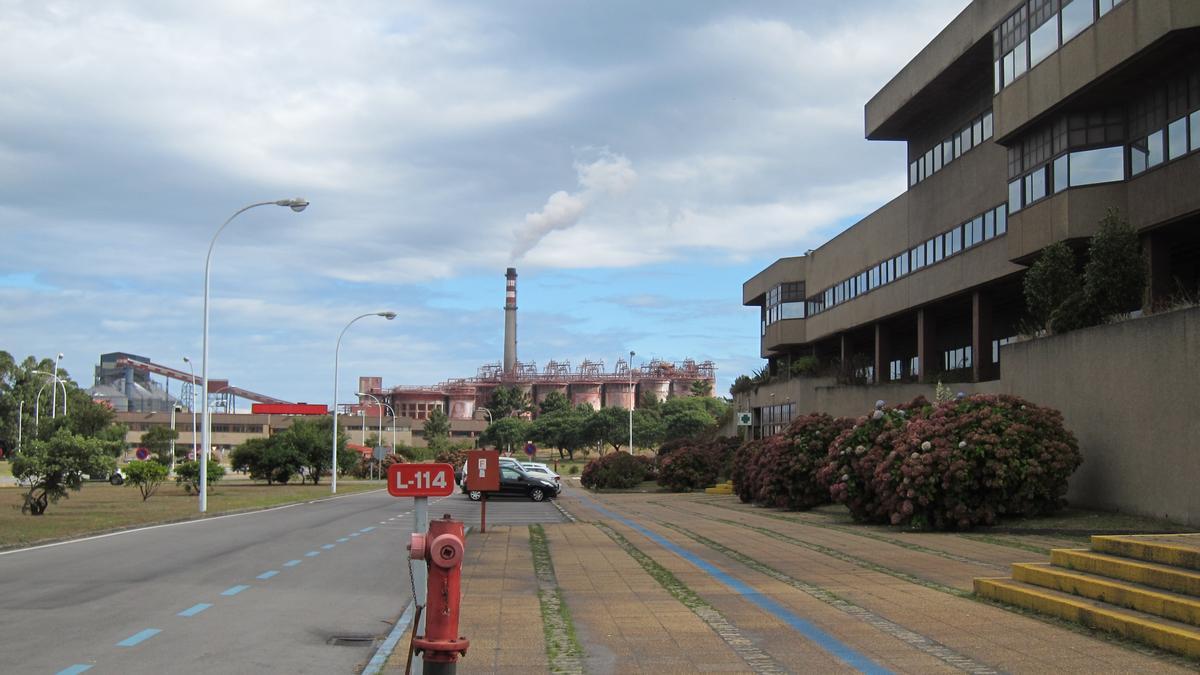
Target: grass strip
pixel 757 659
pixel 562 645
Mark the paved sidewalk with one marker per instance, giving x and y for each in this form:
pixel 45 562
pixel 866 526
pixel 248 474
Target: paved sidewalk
pixel 898 600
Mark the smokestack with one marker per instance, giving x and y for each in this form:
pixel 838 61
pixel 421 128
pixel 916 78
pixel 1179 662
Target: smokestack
pixel 510 320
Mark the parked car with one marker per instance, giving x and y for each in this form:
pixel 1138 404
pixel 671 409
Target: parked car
pixel 542 471
pixel 460 474
pixel 514 481
pixel 117 477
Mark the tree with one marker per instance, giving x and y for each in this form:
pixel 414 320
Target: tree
pixel 1049 282
pixel 267 459
pixel 49 469
pixel 437 427
pixel 308 440
pixel 647 428
pixel 555 401
pixel 506 433
pixel 701 388
pixel 158 441
pixel 187 474
pixel 611 426
pixel 1115 274
pixel 147 476
pixel 509 401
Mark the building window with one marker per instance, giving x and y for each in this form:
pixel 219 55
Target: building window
pixel 977 130
pixel 1077 15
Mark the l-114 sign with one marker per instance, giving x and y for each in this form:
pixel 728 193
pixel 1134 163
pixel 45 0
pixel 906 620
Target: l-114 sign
pixel 420 480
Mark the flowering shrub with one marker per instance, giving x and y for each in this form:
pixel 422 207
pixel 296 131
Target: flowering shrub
pixel 745 473
pixel 849 469
pixel 697 465
pixel 790 478
pixel 971 460
pixel 616 470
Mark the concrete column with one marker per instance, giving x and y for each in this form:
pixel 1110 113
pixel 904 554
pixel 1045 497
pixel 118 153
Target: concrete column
pixel 981 337
pixel 1158 262
pixel 883 353
pixel 925 344
pixel 844 345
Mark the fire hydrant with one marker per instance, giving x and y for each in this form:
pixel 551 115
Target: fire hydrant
pixel 442 550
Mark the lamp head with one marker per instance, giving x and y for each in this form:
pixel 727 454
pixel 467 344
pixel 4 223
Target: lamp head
pixel 359 393
pixel 186 360
pixel 60 355
pixel 387 315
pixel 297 204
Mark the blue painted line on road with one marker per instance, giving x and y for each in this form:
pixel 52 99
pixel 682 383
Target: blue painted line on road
pixel 824 640
pixel 267 575
pixel 138 638
pixel 355 534
pixel 312 554
pixel 328 546
pixel 75 669
pixel 234 590
pixel 367 529
pixel 343 540
pixel 292 563
pixel 195 609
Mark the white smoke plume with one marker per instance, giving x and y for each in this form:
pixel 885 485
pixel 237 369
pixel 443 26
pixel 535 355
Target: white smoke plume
pixel 610 175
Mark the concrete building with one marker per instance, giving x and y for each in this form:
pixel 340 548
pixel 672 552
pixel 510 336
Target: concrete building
pixel 1025 121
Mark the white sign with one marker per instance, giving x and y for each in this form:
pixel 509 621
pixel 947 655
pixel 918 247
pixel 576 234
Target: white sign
pixel 745 419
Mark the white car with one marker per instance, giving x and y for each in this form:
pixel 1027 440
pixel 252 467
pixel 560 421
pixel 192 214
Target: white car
pixel 539 470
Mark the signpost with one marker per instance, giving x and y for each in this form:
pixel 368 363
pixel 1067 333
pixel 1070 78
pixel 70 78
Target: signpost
pixel 142 453
pixel 483 474
pixel 420 481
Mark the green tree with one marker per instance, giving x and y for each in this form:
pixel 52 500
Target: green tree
pixel 187 474
pixel 555 401
pixel 507 433
pixel 701 388
pixel 308 439
pixel 49 469
pixel 509 401
pixel 1049 282
pixel 437 427
pixel 610 425
pixel 1115 274
pixel 147 476
pixel 113 436
pixel 647 428
pixel 158 441
pixel 267 459
pixel 687 424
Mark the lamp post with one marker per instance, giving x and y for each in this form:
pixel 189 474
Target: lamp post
pixel 21 420
pixel 37 401
pixel 297 204
pixel 174 409
pixel 632 400
pixel 192 405
pixel 378 404
pixel 54 395
pixel 392 412
pixel 336 351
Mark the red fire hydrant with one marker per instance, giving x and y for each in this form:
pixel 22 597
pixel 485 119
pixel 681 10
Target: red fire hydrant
pixel 442 549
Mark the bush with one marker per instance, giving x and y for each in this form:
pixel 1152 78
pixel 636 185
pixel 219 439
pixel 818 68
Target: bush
pixel 616 470
pixel 745 470
pixel 147 476
pixel 187 474
pixel 849 469
pixel 970 461
pixel 452 456
pixel 788 468
pixel 805 366
pixel 697 465
pixel 1049 282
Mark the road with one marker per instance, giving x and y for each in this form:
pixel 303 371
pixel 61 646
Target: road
pixel 269 591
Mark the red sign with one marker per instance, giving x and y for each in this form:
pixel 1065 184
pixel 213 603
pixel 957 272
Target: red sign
pixel 483 470
pixel 142 453
pixel 420 480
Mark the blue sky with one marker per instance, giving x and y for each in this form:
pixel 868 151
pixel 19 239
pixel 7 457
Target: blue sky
pixel 635 161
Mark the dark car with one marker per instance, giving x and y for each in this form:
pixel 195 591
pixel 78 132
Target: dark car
pixel 515 482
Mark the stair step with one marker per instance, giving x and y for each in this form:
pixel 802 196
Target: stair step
pixel 1114 592
pixel 1178 550
pixel 1162 633
pixel 1166 577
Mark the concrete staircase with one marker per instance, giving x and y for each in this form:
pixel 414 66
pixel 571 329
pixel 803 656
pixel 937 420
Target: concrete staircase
pixel 725 488
pixel 1143 587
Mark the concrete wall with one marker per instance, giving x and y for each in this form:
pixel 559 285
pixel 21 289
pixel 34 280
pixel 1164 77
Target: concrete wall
pixel 1130 392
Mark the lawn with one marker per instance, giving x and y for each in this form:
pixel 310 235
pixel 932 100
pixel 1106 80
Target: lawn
pixel 101 507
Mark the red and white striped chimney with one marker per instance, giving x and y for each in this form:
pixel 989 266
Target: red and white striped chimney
pixel 510 320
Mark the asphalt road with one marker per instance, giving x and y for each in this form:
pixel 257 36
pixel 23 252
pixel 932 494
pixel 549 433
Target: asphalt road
pixel 259 592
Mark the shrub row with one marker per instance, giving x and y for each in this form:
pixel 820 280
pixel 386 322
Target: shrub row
pixel 696 464
pixel 617 471
pixel 953 465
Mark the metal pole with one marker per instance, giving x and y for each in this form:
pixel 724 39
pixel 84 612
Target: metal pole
pixel 172 439
pixel 296 205
pixel 420 525
pixel 20 422
pixel 54 394
pixel 192 405
pixel 632 401
pixel 336 351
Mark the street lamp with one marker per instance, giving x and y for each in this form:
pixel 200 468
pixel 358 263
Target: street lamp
pixel 392 412
pixel 336 351
pixel 296 205
pixel 632 400
pixel 37 401
pixel 378 404
pixel 54 396
pixel 192 405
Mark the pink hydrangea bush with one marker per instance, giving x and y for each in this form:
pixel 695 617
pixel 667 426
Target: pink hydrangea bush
pixel 788 469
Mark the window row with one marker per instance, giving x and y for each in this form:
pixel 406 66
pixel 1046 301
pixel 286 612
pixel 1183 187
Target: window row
pixel 1036 30
pixel 972 135
pixel 985 226
pixel 785 301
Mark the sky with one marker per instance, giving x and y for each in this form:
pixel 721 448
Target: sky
pixel 635 161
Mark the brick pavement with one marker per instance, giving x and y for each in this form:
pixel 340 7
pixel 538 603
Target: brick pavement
pixel 627 622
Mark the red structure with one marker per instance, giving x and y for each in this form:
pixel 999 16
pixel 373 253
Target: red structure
pixel 288 409
pixel 442 549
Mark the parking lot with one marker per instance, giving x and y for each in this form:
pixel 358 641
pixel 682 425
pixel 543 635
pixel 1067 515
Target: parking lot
pixel 500 510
